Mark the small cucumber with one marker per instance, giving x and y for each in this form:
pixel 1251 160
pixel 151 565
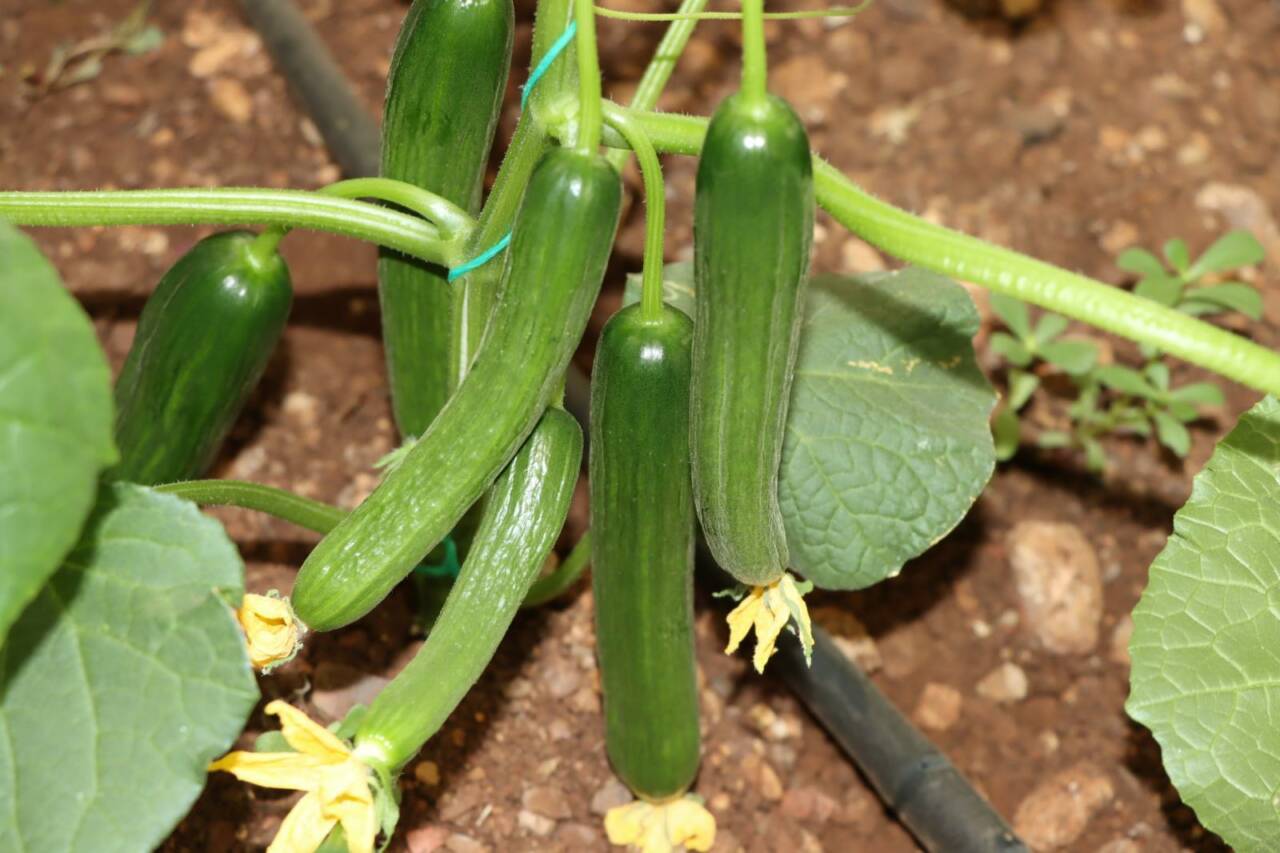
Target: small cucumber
pixel 753 225
pixel 561 242
pixel 642 539
pixel 203 341
pixel 444 95
pixel 522 517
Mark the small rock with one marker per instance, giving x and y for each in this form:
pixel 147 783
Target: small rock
pixel 561 678
pixel 850 635
pixel 428 773
pixel 337 688
pixel 859 256
pixel 559 730
pixel 547 801
pixel 770 785
pixel 1120 236
pixel 459 843
pixel 900 653
pixel 939 707
pixel 426 839
pixel 579 836
pixel 1036 123
pixel 1059 584
pixel 1205 15
pixel 585 701
pixel 1006 683
pixel 610 795
pixel 808 803
pixel 1152 138
pixel 231 99
pixel 1196 150
pixel 535 824
pixel 302 406
pixel 1056 813
pixel 1120 640
pixel 726 842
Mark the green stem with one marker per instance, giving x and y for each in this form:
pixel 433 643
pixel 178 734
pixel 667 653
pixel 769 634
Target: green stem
pixel 559 582
pixel 655 210
pixel 232 206
pixel 295 509
pixel 321 518
pixel 589 84
pixel 267 244
pixel 697 15
pixel 452 220
pixel 754 83
pixel 663 62
pixel 951 253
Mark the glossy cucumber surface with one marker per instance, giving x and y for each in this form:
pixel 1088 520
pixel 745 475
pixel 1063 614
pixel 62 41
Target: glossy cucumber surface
pixel 753 227
pixel 204 339
pixel 522 518
pixel 562 237
pixel 444 95
pixel 642 540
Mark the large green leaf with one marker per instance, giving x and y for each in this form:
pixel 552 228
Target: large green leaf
pixel 888 441
pixel 55 421
pixel 1206 639
pixel 124 677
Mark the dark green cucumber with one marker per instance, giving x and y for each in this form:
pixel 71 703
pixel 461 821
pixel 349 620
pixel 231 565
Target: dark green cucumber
pixel 753 225
pixel 642 539
pixel 444 95
pixel 561 241
pixel 203 341
pixel 522 518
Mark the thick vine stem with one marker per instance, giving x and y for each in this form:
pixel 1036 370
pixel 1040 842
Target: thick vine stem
pixel 453 222
pixel 934 247
pixel 589 83
pixel 698 15
pixel 233 206
pixel 658 71
pixel 655 210
pixel 295 509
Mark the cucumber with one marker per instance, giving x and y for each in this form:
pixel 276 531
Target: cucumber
pixel 203 341
pixel 642 540
pixel 444 95
pixel 561 242
pixel 753 225
pixel 522 518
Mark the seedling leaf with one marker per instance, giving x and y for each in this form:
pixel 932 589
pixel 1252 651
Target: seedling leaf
pixel 1074 357
pixel 1010 349
pixel 1232 295
pixel 1171 433
pixel 1014 313
pixel 1230 251
pixel 1141 262
pixel 1124 379
pixel 1176 253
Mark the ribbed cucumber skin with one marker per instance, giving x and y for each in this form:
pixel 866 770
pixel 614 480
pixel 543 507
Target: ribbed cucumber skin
pixel 204 339
pixel 753 227
pixel 642 540
pixel 444 96
pixel 561 242
pixel 522 518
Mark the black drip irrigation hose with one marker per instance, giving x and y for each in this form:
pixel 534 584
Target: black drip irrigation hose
pixel 913 778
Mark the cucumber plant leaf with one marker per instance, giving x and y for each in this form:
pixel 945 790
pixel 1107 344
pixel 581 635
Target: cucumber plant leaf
pixel 1206 672
pixel 888 440
pixel 123 678
pixel 55 421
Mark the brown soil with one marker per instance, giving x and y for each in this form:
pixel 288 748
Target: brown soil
pixel 1092 126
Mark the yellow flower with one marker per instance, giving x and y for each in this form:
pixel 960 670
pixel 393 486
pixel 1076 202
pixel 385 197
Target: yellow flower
pixel 336 782
pixel 270 630
pixel 768 609
pixel 682 824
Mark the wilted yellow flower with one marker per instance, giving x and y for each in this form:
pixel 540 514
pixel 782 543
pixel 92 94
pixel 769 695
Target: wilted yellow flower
pixel 768 609
pixel 682 824
pixel 270 630
pixel 336 782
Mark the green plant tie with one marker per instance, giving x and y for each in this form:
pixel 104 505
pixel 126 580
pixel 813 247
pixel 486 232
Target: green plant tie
pixel 449 567
pixel 557 48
